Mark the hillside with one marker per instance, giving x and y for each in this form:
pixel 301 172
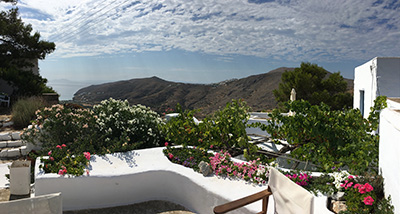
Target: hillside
pixel 159 94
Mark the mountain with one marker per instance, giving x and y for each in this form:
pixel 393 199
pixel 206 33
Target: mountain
pixel 160 94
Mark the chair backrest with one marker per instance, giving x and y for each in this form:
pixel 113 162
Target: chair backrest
pixel 44 204
pixel 289 197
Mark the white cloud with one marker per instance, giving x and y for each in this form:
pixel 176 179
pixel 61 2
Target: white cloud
pixel 293 30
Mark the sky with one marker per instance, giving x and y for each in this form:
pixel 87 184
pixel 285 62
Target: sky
pixel 206 41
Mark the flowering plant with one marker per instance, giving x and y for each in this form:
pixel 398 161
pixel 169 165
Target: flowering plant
pixel 188 157
pixel 301 179
pixel 360 196
pixel 252 171
pixel 60 161
pixel 121 123
pixel 59 124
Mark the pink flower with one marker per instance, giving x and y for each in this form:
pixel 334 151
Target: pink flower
pixel 51 158
pixel 350 177
pixel 60 172
pixel 361 189
pixel 166 144
pixel 368 187
pixel 170 155
pixel 49 153
pixel 87 155
pixel 64 145
pixel 211 146
pixel 348 185
pixel 58 147
pixel 368 200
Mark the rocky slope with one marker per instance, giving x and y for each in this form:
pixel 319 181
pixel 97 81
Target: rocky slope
pixel 159 94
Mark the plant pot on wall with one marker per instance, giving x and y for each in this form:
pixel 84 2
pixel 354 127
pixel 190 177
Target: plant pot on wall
pixel 20 177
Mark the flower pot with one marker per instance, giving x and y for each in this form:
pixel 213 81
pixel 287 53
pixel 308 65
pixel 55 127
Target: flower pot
pixel 20 177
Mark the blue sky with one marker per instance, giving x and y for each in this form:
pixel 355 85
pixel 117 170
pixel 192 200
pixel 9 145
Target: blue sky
pixel 205 41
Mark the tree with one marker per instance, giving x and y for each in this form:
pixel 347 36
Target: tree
pixel 329 138
pixel 18 47
pixel 312 83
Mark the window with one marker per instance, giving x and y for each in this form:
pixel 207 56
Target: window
pixel 362 102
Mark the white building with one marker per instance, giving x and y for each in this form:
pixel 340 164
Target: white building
pixel 389 151
pixel 377 77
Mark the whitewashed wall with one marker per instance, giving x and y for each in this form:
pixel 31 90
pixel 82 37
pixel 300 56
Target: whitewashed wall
pixel 143 175
pixel 389 154
pixel 379 76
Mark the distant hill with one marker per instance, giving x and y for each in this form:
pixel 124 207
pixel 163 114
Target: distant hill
pixel 159 94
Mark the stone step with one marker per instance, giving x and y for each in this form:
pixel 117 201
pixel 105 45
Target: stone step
pixel 13 152
pixel 10 136
pixel 11 144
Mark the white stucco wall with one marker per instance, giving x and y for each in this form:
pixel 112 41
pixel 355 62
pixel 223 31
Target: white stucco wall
pixel 379 76
pixel 143 175
pixel 365 79
pixel 389 154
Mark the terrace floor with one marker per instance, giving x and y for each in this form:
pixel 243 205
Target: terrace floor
pixel 149 207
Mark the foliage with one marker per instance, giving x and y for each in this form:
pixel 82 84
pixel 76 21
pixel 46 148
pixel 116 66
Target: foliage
pixel 364 194
pixel 220 163
pixel 312 84
pixel 60 161
pixel 112 126
pixel 58 125
pixel 252 171
pixel 188 157
pixel 373 118
pixel 182 130
pixel 225 129
pixel 301 178
pixel 23 111
pixel 18 46
pixel 119 122
pixel 329 138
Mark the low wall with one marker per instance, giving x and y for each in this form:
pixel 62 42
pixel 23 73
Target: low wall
pixel 134 177
pixel 389 154
pixel 144 175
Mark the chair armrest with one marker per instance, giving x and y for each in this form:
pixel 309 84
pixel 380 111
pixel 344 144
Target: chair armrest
pixel 243 202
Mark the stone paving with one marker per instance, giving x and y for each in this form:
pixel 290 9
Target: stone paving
pixel 149 207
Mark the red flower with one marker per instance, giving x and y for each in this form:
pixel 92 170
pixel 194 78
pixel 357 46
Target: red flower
pixel 87 155
pixel 58 147
pixel 368 200
pixel 51 158
pixel 368 187
pixel 170 155
pixel 64 145
pixel 166 144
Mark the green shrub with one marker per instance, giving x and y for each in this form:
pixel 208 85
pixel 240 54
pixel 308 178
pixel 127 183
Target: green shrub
pixel 112 126
pixel 59 125
pixel 225 129
pixel 23 111
pixel 60 161
pixel 119 123
pixel 330 138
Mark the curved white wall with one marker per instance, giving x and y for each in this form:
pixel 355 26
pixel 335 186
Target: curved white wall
pixel 143 175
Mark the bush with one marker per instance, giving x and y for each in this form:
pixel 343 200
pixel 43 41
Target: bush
pixel 225 129
pixel 119 122
pixel 23 111
pixel 60 161
pixel 112 126
pixel 330 138
pixel 59 125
